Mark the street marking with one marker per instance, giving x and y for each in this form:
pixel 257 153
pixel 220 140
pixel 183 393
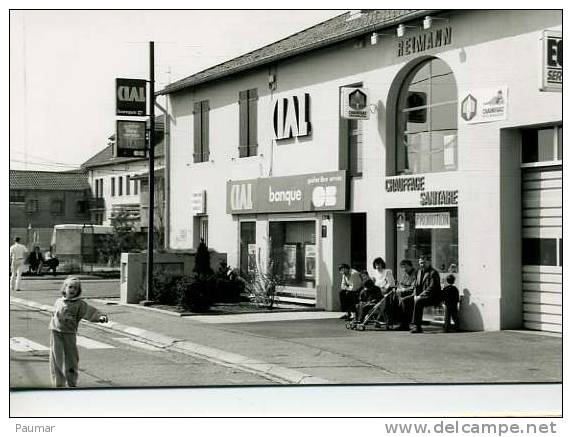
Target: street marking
pixel 88 343
pixel 22 344
pixel 139 344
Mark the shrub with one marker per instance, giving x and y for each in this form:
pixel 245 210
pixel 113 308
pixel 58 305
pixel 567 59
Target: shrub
pixel 194 293
pixel 228 286
pixel 163 288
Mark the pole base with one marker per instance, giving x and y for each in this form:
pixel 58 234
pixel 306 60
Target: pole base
pixel 147 303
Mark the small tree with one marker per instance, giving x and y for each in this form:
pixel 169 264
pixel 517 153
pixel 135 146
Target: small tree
pixel 203 261
pixel 267 278
pixel 122 240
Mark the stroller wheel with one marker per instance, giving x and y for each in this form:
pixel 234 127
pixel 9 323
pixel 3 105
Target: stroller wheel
pixel 348 325
pixel 360 327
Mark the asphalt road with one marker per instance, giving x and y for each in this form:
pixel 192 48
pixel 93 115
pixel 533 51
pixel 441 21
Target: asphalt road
pixel 110 359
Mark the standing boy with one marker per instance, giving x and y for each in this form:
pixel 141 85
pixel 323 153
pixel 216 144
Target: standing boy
pixel 451 300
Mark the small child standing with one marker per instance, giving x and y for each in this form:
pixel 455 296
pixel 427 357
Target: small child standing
pixel 451 300
pixel 68 311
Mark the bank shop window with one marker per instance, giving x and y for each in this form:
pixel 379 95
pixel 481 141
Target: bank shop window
pixel 248 255
pixel 427 120
pixel 432 232
pixel 293 249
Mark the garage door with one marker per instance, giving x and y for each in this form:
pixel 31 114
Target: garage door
pixel 542 248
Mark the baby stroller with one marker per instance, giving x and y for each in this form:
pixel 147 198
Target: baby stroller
pixel 373 315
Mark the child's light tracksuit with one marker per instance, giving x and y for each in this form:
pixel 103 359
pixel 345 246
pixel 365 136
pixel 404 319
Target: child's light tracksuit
pixel 64 356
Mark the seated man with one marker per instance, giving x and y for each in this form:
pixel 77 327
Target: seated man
pixel 427 291
pixel 51 261
pixel 350 287
pixel 35 261
pixel 368 298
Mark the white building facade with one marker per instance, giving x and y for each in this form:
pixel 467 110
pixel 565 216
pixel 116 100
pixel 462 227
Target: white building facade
pixel 459 156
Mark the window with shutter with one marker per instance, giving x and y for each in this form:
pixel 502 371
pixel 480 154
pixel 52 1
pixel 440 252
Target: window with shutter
pixel 201 131
pixel 248 136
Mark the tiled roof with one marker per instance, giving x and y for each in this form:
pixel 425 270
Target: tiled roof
pixel 337 29
pixel 48 180
pixel 105 156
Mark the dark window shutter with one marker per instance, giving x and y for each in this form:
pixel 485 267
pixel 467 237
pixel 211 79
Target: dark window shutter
pixel 197 132
pixel 252 121
pixel 243 124
pixel 205 129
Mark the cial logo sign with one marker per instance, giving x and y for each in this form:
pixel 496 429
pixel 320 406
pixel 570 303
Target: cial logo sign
pixel 131 97
pixel 292 117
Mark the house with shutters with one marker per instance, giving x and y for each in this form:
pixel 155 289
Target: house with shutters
pixel 452 148
pixel 120 185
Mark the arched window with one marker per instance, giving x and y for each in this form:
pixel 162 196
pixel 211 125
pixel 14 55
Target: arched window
pixel 427 120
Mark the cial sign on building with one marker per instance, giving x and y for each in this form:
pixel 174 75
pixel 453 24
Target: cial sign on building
pixel 131 97
pixel 551 61
pixel 292 117
pixel 354 103
pixel 310 192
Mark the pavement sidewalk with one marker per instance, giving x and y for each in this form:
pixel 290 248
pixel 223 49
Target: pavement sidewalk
pixel 303 348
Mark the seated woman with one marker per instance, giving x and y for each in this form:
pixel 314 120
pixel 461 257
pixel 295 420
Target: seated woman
pixel 368 298
pixel 383 278
pixel 35 261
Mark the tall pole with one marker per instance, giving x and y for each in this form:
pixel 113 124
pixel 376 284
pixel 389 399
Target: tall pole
pixel 151 166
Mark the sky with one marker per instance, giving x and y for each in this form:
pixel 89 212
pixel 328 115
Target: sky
pixel 63 66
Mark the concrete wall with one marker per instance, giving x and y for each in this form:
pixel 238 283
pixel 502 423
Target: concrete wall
pixel 489 49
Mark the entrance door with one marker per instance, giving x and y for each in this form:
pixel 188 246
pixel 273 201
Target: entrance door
pixel 542 231
pixel 358 241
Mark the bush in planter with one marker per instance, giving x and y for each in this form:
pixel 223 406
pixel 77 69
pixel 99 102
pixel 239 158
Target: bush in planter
pixel 194 293
pixel 163 288
pixel 228 285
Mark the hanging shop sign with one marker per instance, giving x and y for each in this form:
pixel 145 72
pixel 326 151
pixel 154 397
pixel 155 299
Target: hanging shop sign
pixel 402 184
pixel 292 117
pixel 428 40
pixel 432 220
pixel 551 61
pixel 130 97
pixel 198 202
pixel 354 103
pixel 485 105
pixel 310 192
pixel 131 139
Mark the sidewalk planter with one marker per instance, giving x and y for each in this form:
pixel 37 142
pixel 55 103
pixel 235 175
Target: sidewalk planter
pixel 134 270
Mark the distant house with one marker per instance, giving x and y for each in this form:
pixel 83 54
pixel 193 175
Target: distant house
pixel 41 199
pixel 120 186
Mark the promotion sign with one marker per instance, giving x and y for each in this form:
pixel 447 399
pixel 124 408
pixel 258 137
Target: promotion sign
pixel 131 97
pixel 131 139
pixel 551 61
pixel 354 103
pixel 485 105
pixel 432 220
pixel 310 192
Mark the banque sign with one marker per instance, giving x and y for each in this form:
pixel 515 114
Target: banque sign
pixel 310 192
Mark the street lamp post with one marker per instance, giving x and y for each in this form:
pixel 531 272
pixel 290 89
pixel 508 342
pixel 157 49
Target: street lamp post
pixel 150 227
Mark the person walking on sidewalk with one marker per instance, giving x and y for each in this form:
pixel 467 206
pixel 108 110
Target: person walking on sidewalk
pixel 427 291
pixel 68 311
pixel 18 254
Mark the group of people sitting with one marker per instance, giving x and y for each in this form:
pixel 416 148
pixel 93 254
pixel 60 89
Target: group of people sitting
pixel 402 303
pixel 37 260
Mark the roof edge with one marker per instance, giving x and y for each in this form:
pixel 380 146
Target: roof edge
pixel 180 85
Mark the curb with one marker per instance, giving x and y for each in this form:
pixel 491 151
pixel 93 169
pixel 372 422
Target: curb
pixel 279 374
